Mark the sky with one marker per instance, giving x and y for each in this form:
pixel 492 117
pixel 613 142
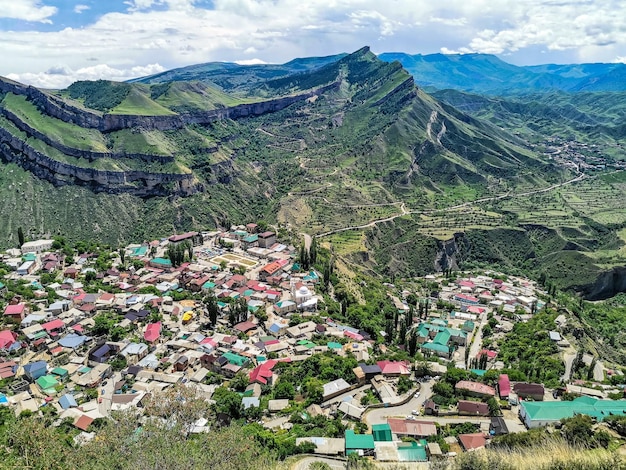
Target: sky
pixel 52 43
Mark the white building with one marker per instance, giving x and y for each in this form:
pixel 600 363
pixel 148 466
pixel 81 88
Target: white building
pixel 37 246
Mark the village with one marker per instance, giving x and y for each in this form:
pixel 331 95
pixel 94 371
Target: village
pixel 237 309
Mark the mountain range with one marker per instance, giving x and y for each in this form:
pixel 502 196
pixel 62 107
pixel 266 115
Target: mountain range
pixel 347 147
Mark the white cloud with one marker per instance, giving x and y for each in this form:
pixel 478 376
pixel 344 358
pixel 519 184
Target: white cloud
pixel 250 62
pixel 181 32
pixel 80 8
pixel 62 76
pixel 28 10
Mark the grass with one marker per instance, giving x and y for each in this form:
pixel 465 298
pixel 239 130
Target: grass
pixel 57 130
pixel 139 103
pixel 552 455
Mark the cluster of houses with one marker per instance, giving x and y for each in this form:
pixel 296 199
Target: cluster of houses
pixel 58 353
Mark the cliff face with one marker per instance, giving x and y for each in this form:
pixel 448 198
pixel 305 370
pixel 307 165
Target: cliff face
pixel 59 109
pixel 451 252
pixel 607 284
pixel 139 183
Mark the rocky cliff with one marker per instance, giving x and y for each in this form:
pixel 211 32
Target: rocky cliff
pixel 140 183
pixel 56 107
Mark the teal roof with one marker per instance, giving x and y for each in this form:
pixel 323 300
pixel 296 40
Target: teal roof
pixel 436 347
pixel 478 372
pixel 251 238
pixel 358 441
pixel 162 261
pixel 333 345
pixel 46 382
pixel 139 251
pixel 557 410
pixel 412 451
pixel 235 358
pixel 29 257
pixel 208 285
pixel 2 286
pixel 59 371
pixel 439 322
pixel 382 432
pixel 469 325
pixel 443 337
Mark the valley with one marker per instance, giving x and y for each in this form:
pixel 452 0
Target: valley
pixel 346 149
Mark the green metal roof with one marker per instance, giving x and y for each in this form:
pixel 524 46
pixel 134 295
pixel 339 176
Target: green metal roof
pixel 46 382
pixel 382 432
pixel 358 441
pixel 162 261
pixel 443 337
pixel 557 410
pixel 478 372
pixel 436 347
pixel 334 345
pixel 235 358
pixel 59 371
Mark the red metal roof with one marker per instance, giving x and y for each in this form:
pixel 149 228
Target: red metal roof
pixel 16 309
pixel 53 325
pixel 504 386
pixel 182 236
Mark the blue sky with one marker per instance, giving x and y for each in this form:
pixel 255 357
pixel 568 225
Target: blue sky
pixel 51 43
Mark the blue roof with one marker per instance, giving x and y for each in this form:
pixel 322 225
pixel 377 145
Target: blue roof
pixel 35 366
pixel 102 351
pixel 67 401
pixel 275 328
pixel 72 341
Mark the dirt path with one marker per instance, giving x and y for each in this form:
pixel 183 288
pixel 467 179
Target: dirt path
pixel 404 211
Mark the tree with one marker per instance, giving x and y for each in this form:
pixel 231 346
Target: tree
pixel 404 384
pixel 578 431
pixel 284 390
pixel 20 236
pixel 239 382
pixel 122 253
pixel 212 308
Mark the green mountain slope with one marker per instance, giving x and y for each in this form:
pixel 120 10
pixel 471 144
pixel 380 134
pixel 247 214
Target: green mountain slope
pixel 350 150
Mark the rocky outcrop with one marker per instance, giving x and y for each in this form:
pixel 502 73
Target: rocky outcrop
pixel 56 107
pixel 608 284
pixel 78 153
pixel 451 252
pixel 139 183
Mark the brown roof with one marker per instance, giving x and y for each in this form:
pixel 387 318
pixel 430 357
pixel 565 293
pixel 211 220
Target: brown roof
pixel 410 427
pixel 83 422
pixel 475 387
pixel 473 441
pixel 473 408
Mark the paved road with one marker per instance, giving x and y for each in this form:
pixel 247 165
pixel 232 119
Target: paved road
pixel 380 415
pixel 305 463
pixel 568 358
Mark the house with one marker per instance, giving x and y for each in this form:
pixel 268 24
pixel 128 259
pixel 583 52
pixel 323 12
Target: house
pixel 263 373
pixel 16 312
pixel 153 332
pixel 7 339
pixel 37 246
pixel 536 414
pixel 393 368
pixel 302 329
pixel 529 390
pixel 504 386
pixel 476 389
pixel 270 270
pixel 102 353
pixel 473 408
pixel 68 401
pixel 134 352
pixel 370 371
pixel 382 433
pixel 431 408
pixel 73 341
pixel 465 299
pixel 190 237
pixel 334 388
pixel 361 444
pixel 181 364
pixel 473 441
pixel 498 426
pixel 412 428
pixel 266 239
pixel 54 327
pixel 34 370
